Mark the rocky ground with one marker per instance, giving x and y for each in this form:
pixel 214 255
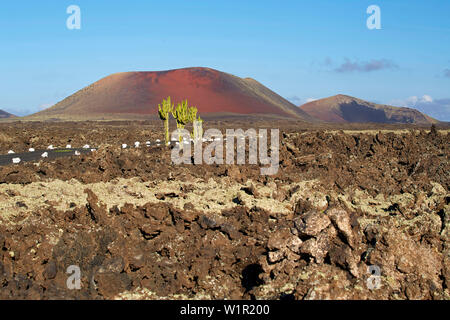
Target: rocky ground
pixel 342 204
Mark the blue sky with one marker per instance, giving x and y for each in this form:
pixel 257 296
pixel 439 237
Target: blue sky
pixel 300 49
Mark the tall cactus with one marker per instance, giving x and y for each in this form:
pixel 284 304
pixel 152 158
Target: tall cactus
pixel 192 118
pixel 164 113
pixel 198 129
pixel 182 116
pixel 192 114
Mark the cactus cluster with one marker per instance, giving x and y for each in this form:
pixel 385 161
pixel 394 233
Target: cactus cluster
pixel 183 114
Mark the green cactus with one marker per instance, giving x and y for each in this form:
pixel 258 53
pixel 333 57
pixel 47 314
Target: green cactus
pixel 192 114
pixel 198 129
pixel 182 115
pixel 200 132
pixel 164 114
pixel 192 118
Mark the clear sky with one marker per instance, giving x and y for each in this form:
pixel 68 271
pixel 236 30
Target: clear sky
pixel 300 49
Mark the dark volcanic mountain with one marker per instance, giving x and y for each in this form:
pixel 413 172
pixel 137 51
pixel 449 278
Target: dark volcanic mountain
pixel 139 93
pixel 345 109
pixel 4 114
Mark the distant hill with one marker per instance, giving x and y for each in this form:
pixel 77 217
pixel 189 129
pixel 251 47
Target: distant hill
pixel 4 115
pixel 346 109
pixel 132 94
